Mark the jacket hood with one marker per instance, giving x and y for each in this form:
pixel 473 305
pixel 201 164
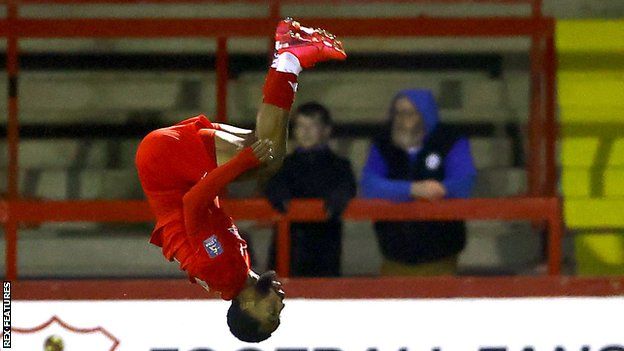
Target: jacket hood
pixel 424 102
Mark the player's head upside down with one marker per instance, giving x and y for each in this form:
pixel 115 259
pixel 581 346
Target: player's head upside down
pixel 255 313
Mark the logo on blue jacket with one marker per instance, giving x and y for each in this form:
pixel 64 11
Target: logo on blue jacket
pixel 213 246
pixel 433 161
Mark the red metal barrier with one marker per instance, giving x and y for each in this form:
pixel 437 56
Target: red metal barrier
pixel 534 209
pixel 334 288
pixel 541 163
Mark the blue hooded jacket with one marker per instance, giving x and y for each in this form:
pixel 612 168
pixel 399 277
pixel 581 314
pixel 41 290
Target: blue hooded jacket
pixel 460 172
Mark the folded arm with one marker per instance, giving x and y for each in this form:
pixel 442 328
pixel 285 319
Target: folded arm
pixel 200 198
pixel 375 184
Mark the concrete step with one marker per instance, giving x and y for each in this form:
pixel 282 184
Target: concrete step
pixel 499 182
pixel 58 153
pixel 210 10
pixel 516 94
pixel 96 250
pixel 110 184
pixel 127 153
pixel 57 184
pixel 84 90
pixel 491 152
pixel 354 96
pixel 360 251
pixel 500 246
pixel 64 154
pixel 65 97
pixel 89 254
pixel 357 153
pixel 245 114
pixel 491 247
pixel 567 9
pixel 91 97
pixel 106 169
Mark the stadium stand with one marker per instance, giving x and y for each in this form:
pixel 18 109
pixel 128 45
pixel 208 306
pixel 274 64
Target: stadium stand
pixel 490 86
pixel 95 166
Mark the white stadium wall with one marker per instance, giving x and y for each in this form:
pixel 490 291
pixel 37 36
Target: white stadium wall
pixel 518 324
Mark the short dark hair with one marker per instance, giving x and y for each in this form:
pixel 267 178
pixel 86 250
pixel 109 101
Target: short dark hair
pixel 243 326
pixel 314 109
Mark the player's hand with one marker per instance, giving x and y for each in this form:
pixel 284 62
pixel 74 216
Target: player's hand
pixel 263 150
pixel 248 140
pixel 428 189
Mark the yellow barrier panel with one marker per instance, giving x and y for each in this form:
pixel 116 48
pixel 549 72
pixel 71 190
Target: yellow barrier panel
pixel 579 152
pixel 614 184
pixel 616 158
pixel 574 75
pixel 590 84
pixel 599 253
pixel 595 92
pixel 607 114
pixel 594 213
pixel 590 35
pixel 575 182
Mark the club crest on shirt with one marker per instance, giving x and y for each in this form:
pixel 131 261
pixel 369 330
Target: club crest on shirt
pixel 213 246
pixel 433 161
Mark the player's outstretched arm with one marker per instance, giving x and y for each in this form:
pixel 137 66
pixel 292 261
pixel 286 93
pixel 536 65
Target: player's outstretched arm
pixel 200 198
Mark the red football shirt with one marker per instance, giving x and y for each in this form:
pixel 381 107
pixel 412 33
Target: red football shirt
pixel 179 175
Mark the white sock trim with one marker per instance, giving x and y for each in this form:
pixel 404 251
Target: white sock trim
pixel 287 63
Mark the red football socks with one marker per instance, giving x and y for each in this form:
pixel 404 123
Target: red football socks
pixel 280 85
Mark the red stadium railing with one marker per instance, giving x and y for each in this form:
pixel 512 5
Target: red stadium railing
pixel 541 205
pixel 329 288
pixel 534 209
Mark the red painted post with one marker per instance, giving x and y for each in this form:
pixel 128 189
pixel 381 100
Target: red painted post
pixel 533 162
pixel 555 230
pixel 283 247
pixel 275 10
pixel 10 232
pixel 222 79
pixel 551 126
pixel 536 8
pixel 274 17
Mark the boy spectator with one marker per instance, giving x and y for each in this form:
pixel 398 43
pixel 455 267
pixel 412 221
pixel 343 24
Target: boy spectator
pixel 313 171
